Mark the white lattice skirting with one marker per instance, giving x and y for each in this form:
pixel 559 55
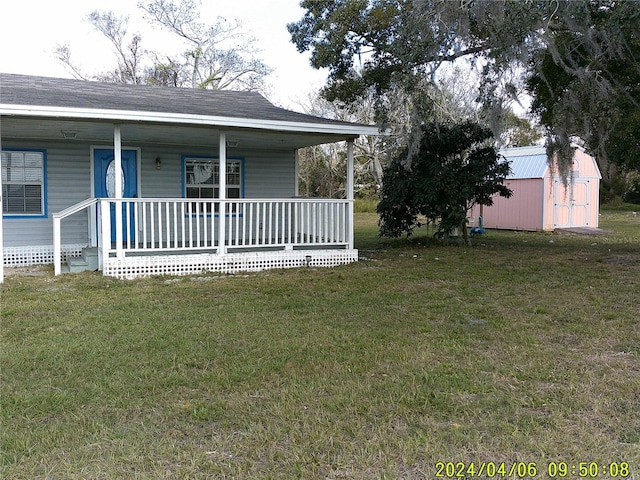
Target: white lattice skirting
pixel 37 255
pixel 144 266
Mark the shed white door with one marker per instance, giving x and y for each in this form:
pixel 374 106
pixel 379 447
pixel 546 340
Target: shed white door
pixel 571 205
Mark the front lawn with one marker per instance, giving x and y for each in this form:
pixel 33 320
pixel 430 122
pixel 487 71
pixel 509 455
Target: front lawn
pixel 522 348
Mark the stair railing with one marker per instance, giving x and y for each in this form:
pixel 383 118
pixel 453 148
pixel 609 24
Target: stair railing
pixel 57 230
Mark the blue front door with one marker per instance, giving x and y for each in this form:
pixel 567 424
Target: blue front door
pixel 104 184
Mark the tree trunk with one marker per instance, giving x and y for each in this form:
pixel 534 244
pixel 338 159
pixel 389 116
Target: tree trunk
pixel 465 234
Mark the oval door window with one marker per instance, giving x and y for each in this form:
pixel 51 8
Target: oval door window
pixel 111 180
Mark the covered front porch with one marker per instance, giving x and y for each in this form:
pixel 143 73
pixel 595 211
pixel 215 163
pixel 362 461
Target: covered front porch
pixel 137 236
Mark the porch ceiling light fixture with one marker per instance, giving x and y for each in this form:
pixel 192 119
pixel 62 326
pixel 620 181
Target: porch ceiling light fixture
pixel 232 143
pixel 69 134
pixel 158 163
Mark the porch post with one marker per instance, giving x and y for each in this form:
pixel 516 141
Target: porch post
pixel 296 173
pixel 350 193
pixel 222 193
pixel 104 232
pixel 117 155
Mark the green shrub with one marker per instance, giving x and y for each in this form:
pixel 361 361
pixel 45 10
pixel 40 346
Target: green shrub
pixel 632 194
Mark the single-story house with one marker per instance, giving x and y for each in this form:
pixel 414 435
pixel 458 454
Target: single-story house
pixel 541 200
pixel 140 180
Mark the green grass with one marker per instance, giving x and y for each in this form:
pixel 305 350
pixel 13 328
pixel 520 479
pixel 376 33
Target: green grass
pixel 619 205
pixel 365 205
pixel 524 347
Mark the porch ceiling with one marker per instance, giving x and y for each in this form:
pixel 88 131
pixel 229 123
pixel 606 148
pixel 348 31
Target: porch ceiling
pixel 140 133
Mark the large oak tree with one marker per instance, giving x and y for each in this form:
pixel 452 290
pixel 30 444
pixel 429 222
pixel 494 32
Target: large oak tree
pixel 579 59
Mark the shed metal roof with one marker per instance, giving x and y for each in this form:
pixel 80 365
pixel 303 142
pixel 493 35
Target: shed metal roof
pixel 526 162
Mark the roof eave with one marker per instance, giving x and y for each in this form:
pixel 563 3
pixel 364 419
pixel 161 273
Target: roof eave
pixel 346 130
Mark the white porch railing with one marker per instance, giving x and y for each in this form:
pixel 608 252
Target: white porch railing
pixel 180 225
pixel 186 226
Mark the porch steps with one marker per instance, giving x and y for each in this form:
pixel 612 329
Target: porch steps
pixel 87 261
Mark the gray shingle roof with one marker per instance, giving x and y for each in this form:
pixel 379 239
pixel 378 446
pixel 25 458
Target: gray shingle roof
pixel 68 93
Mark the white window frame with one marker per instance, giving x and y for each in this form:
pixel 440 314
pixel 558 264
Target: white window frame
pixel 235 177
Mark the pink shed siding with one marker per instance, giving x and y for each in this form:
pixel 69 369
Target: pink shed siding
pixel 520 212
pixel 540 200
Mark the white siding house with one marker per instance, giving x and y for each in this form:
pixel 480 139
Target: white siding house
pixel 154 180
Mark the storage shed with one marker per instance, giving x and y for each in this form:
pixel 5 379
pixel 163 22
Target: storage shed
pixel 540 199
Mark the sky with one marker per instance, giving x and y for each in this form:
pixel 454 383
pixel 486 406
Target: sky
pixel 30 30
